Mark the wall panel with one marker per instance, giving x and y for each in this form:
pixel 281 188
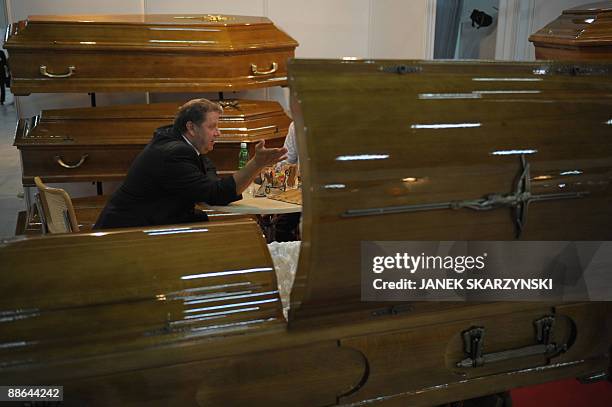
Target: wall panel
pixel 399 29
pixel 324 29
pixel 20 9
pixel 238 7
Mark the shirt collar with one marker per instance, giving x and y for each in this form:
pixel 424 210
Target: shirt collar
pixel 189 142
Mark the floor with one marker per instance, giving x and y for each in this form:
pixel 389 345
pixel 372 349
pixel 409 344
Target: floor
pixel 11 191
pixel 564 393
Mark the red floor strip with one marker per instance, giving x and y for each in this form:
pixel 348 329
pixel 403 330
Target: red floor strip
pixel 565 393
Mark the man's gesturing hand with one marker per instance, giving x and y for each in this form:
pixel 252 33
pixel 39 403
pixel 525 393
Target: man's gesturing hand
pixel 268 156
pixel 264 157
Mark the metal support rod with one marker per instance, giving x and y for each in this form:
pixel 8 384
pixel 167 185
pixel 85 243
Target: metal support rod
pixel 92 95
pixel 29 204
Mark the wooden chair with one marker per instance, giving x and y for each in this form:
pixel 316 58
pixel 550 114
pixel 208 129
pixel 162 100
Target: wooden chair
pixel 55 209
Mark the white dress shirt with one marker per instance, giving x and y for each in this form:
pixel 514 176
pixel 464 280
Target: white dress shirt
pixel 291 145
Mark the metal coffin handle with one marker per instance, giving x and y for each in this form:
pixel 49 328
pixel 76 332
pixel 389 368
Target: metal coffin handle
pixel 256 71
pixel 43 71
pixel 473 340
pixel 60 161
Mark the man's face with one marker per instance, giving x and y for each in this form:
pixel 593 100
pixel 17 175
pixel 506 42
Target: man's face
pixel 203 137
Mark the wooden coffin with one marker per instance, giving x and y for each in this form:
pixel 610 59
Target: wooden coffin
pixel 176 317
pixel 160 53
pixel 191 315
pixel 580 33
pixel 439 134
pixel 100 143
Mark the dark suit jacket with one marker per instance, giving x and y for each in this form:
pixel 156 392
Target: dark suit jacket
pixel 164 182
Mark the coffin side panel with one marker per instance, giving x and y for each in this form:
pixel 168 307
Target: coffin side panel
pixel 406 364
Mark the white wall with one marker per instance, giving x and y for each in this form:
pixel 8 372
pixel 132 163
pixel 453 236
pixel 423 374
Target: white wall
pixel 238 7
pixel 324 29
pixel 400 29
pixel 21 9
pixel 3 18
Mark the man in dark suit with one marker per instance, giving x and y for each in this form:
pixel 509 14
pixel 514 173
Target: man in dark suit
pixel 172 173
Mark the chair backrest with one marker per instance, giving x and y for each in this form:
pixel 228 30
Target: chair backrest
pixel 57 211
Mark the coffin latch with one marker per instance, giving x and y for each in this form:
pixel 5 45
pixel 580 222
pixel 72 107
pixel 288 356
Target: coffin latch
pixel 400 69
pixel 578 70
pixel 473 345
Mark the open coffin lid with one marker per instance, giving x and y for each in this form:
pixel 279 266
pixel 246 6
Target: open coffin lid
pixel 387 147
pixel 156 52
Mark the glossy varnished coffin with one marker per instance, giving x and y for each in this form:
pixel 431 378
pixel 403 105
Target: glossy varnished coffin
pixel 190 315
pixel 403 134
pixel 162 53
pixel 100 143
pixel 580 33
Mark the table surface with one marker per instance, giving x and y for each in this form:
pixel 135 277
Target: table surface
pixel 257 206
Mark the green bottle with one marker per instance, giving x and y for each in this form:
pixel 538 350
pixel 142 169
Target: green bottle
pixel 243 156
